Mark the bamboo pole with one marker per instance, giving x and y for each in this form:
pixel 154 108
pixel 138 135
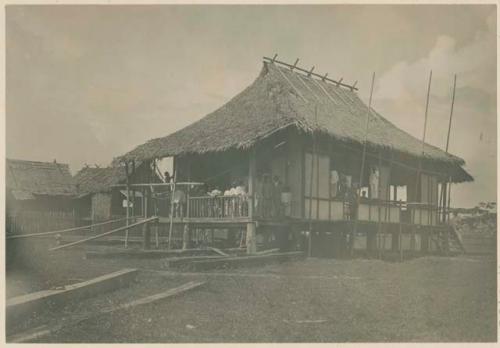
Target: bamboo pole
pixel 41 234
pixel 379 229
pixel 309 244
pixel 446 217
pixel 104 234
pixel 419 169
pixel 363 157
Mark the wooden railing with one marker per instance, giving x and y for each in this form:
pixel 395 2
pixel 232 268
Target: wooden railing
pixel 374 210
pixel 218 207
pixel 398 211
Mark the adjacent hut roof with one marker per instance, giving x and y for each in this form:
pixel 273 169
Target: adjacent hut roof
pixel 28 179
pixel 281 98
pixel 92 180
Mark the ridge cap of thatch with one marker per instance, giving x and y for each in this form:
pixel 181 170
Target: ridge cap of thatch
pixel 280 98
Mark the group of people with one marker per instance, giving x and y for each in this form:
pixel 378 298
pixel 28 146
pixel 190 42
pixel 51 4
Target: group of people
pixel 268 197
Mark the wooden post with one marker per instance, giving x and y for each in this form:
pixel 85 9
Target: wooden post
pixel 449 201
pixel 251 182
pixel 146 232
pixel 412 236
pixel 400 239
pixel 133 189
pixel 251 232
pixel 128 203
pixel 185 237
pixel 157 234
pixel 251 239
pixel 172 191
pixel 188 188
pixel 309 235
pixel 424 241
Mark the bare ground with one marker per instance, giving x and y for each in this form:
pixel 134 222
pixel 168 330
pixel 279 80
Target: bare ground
pixel 429 299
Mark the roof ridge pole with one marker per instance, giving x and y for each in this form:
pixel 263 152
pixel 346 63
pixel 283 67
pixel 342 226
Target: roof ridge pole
pixel 363 157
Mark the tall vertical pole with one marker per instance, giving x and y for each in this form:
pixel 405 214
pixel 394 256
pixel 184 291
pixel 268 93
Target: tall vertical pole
pixel 445 202
pixel 423 135
pixel 363 157
pixel 418 180
pixel 128 203
pixel 309 243
pixel 451 112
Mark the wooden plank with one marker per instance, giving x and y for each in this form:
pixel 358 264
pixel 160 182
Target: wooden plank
pixel 145 254
pixel 186 261
pixel 218 251
pixel 62 231
pixel 160 184
pixel 44 331
pixel 266 252
pixel 19 307
pixel 157 297
pixel 245 260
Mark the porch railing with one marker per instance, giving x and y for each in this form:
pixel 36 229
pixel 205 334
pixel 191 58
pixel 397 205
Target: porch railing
pixel 374 210
pixel 398 211
pixel 219 207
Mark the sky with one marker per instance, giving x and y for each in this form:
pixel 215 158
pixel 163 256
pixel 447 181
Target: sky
pixel 85 84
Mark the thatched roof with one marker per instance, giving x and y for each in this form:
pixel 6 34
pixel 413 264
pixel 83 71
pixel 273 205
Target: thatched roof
pixel 281 98
pixel 27 179
pixel 92 180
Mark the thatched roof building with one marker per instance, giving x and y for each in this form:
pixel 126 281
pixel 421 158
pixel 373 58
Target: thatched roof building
pixel 26 180
pixel 280 98
pixel 93 180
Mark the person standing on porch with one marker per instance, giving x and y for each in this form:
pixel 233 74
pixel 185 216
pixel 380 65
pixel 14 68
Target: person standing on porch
pixel 334 183
pixel 374 181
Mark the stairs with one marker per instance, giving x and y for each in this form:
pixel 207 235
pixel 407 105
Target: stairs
pixel 448 241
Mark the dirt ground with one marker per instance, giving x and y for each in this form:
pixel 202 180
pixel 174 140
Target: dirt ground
pixel 428 299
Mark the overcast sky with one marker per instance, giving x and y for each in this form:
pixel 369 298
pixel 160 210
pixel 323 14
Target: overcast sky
pixel 88 83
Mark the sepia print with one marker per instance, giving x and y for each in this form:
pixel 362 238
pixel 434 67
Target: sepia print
pixel 250 173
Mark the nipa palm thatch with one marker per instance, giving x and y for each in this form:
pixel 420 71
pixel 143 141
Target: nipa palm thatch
pixel 27 179
pixel 281 98
pixel 91 180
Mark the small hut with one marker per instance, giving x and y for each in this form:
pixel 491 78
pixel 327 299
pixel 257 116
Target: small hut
pixel 38 186
pixel 295 140
pixel 39 196
pixel 101 194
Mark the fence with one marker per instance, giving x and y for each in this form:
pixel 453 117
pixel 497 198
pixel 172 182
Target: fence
pixel 36 221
